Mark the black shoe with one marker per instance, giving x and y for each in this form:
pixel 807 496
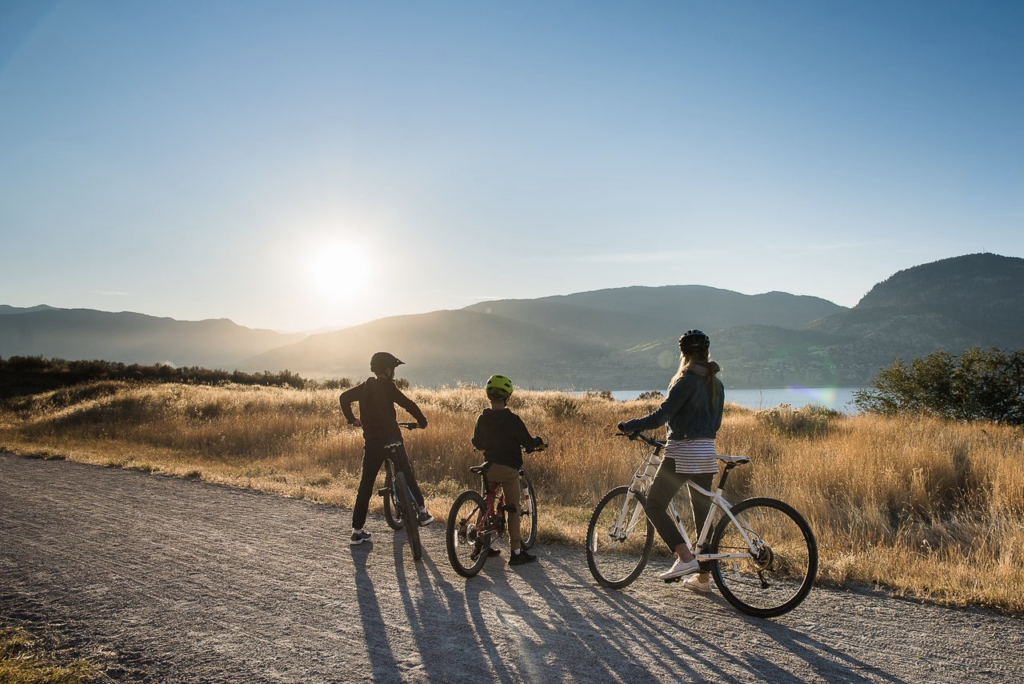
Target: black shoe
pixel 359 538
pixel 425 518
pixel 491 553
pixel 521 557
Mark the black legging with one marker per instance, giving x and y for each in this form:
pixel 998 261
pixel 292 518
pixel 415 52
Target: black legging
pixel 666 483
pixel 373 459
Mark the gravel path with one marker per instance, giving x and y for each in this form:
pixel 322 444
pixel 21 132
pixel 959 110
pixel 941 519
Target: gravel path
pixel 173 580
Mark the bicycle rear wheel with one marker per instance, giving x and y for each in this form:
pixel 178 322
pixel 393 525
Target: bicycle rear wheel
pixel 779 576
pixel 392 506
pixel 465 538
pixel 528 517
pixel 409 515
pixel 619 538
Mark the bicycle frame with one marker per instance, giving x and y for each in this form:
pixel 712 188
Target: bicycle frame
pixel 493 503
pixel 644 477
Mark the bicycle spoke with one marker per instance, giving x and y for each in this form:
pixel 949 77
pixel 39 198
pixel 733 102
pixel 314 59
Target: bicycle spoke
pixel 619 539
pixel 528 518
pixel 466 538
pixel 776 575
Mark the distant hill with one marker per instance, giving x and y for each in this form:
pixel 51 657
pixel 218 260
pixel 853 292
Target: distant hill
pixel 4 309
pixel 630 315
pixel 982 295
pixel 440 348
pixel 602 338
pixel 953 304
pixel 622 338
pixel 85 334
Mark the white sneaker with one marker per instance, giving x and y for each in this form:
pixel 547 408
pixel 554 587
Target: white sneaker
pixel 694 584
pixel 680 568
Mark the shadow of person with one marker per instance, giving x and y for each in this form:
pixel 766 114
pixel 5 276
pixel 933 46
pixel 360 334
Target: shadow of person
pixel 382 658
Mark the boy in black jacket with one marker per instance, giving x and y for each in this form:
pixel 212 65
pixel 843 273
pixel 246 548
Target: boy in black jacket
pixel 502 436
pixel 377 398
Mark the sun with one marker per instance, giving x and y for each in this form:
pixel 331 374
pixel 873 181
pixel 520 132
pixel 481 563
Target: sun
pixel 337 270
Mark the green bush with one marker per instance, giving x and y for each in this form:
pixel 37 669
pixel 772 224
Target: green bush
pixel 976 385
pixel 808 421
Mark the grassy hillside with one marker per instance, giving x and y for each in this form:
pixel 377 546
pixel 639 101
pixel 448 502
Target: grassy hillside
pixel 927 508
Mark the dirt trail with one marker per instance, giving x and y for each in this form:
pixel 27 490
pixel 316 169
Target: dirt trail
pixel 174 580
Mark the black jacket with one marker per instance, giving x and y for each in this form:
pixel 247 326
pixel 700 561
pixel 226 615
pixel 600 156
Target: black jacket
pixel 377 398
pixel 502 436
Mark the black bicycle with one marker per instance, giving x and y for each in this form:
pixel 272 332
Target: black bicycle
pixel 400 509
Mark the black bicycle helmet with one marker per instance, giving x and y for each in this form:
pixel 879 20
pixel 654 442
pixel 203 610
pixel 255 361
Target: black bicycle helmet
pixel 382 360
pixel 694 340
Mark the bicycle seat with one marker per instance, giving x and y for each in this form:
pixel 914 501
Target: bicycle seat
pixel 479 469
pixel 393 445
pixel 739 460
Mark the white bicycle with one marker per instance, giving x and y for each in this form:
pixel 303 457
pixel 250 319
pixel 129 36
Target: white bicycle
pixel 764 556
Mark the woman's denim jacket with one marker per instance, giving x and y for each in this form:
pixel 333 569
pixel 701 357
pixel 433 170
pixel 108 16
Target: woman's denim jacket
pixel 687 409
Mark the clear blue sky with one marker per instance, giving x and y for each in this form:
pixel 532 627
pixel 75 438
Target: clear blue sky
pixel 316 164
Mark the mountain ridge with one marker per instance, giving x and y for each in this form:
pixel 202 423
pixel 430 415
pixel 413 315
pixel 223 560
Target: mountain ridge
pixel 617 338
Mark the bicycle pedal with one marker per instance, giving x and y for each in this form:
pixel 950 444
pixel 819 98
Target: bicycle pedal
pixel 384 491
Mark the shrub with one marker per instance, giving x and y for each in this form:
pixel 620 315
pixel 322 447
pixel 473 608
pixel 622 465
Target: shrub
pixel 561 407
pixel 808 421
pixel 976 385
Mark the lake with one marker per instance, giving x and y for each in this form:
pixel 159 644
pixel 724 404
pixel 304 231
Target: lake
pixel 837 398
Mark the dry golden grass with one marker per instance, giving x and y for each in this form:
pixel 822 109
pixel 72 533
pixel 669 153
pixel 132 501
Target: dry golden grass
pixel 929 508
pixel 23 660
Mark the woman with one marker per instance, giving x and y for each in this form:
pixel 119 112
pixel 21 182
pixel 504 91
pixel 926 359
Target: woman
pixel 693 411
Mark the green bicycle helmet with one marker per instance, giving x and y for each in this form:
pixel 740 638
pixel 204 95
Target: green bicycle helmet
pixel 499 387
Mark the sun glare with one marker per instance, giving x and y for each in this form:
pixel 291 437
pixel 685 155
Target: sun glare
pixel 338 270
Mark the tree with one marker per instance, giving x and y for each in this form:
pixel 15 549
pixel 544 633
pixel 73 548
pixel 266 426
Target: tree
pixel 976 385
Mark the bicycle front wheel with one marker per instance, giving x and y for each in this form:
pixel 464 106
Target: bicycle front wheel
pixel 528 517
pixel 619 538
pixel 466 540
pixel 409 515
pixel 778 574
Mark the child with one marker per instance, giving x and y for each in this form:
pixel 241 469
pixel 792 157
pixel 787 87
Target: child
pixel 377 398
pixel 502 436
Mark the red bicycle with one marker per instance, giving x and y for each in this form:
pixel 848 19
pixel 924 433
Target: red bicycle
pixel 477 519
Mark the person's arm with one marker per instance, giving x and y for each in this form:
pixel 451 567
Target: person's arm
pixel 346 399
pixel 677 396
pixel 478 436
pixel 523 436
pixel 409 405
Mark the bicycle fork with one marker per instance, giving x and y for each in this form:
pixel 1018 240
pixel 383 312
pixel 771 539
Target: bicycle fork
pixel 622 528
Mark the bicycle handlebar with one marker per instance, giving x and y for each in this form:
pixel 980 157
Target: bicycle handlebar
pixel 642 437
